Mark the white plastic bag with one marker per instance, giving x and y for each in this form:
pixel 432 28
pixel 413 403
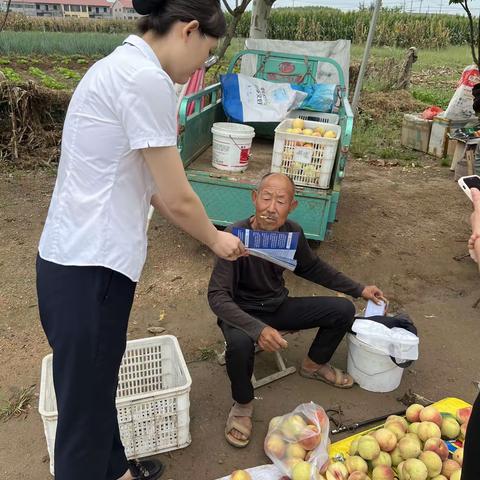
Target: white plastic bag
pixel 299 440
pixel 395 342
pixel 461 104
pixel 249 99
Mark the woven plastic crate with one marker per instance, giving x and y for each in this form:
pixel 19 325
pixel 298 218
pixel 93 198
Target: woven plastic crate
pixel 307 160
pixel 332 118
pixel 153 398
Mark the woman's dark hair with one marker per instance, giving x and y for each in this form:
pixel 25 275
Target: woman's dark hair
pixel 160 15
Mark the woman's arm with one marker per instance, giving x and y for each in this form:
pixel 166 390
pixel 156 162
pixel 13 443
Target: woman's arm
pixel 181 205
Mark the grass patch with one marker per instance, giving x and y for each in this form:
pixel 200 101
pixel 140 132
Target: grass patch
pixel 47 43
pixel 206 354
pixel 440 97
pixel 11 74
pixel 18 404
pixel 381 139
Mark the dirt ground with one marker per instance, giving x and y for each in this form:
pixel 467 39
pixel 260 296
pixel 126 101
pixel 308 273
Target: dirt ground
pixel 404 229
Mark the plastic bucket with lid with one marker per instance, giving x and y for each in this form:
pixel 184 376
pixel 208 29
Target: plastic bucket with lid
pixel 231 146
pixel 370 368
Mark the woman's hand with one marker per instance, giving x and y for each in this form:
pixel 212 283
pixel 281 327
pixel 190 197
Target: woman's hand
pixel 228 246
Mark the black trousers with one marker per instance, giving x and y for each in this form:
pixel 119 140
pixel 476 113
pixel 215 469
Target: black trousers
pixel 471 453
pixel 84 312
pixel 333 316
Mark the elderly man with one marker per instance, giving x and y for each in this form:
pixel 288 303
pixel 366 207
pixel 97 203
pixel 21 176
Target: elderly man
pixel 252 305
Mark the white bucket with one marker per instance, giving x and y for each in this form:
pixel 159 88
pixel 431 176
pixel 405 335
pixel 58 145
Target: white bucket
pixel 371 369
pixel 231 146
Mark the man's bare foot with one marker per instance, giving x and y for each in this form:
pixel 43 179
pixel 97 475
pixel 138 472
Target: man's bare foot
pixel 246 422
pixel 324 369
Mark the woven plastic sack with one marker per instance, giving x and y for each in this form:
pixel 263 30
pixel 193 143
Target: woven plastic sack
pixel 461 104
pixel 299 441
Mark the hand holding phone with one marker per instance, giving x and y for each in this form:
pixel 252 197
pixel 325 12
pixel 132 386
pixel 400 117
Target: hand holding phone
pixel 469 182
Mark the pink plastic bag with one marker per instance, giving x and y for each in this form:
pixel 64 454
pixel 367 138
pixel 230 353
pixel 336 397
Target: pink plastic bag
pixel 431 112
pixel 299 440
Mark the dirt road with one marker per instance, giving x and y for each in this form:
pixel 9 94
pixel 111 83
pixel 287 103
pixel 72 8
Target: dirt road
pixel 398 227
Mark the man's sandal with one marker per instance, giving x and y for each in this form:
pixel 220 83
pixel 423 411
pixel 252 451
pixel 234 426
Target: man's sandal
pixel 340 376
pixel 233 424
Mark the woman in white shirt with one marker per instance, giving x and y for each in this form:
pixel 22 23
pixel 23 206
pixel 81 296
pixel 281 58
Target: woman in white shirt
pixel 118 155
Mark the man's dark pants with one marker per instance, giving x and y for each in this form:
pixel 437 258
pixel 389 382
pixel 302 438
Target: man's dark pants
pixel 333 316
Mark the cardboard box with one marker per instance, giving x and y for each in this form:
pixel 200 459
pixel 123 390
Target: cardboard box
pixel 416 132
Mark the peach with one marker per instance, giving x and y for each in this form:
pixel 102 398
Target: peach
pixel 382 472
pixel 409 448
pixel 450 428
pixel 368 447
pixel 428 430
pixel 431 414
pixel 397 418
pixel 438 446
pixel 400 470
pixel 302 471
pixel 291 462
pixel 293 426
pixel 310 437
pixel 275 446
pixel 274 423
pixel 439 477
pixel 458 456
pixel 295 450
pixel 397 428
pixel 414 469
pixel 413 412
pixel 240 475
pixel 456 475
pixel 449 466
pixel 382 459
pixel 433 463
pixel 396 457
pixel 386 439
pixel 463 415
pixel 358 476
pixel 354 447
pixel 356 464
pixel 337 471
pixel 413 427
pixel 322 418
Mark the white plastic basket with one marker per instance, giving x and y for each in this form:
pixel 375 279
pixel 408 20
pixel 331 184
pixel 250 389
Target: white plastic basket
pixel 332 118
pixel 307 160
pixel 153 401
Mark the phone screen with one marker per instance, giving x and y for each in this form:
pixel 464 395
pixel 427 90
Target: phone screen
pixel 472 182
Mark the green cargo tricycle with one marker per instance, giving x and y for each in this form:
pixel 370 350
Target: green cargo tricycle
pixel 226 195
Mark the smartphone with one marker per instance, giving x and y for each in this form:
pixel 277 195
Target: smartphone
pixel 466 183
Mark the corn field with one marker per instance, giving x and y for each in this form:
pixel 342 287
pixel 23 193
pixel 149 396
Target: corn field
pixel 395 28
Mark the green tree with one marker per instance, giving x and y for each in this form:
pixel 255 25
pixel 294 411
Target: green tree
pixel 474 29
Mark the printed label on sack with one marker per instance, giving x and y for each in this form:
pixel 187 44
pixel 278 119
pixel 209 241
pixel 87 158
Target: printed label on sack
pixel 302 154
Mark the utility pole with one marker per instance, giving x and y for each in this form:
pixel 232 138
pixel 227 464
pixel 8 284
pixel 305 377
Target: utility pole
pixel 441 5
pixel 366 55
pixel 411 6
pixel 421 2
